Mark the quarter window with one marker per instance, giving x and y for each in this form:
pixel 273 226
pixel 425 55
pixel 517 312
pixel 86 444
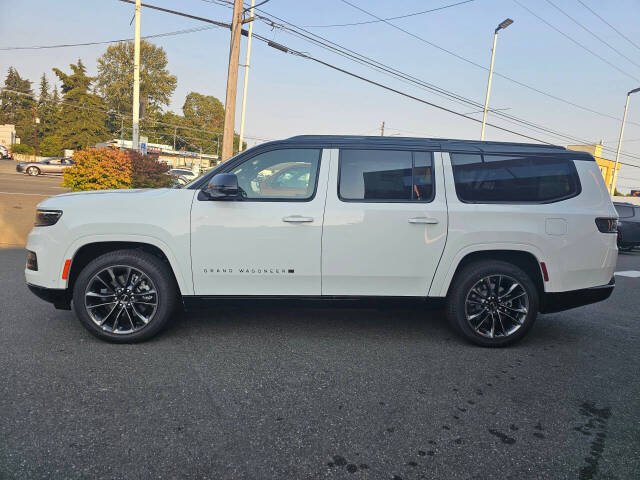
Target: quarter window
pixel 286 174
pixel 386 176
pixel 513 179
pixel 624 211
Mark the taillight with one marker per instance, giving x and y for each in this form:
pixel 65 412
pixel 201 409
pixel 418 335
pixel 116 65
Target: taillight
pixel 607 225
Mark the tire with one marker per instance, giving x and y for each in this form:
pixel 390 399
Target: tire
pixel 33 171
pixel 474 306
pixel 121 289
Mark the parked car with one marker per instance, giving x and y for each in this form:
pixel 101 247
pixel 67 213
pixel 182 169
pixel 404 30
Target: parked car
pixel 498 231
pixel 185 173
pixel 47 165
pixel 628 226
pixel 5 153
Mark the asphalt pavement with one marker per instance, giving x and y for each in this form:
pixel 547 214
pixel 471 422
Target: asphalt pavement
pixel 255 391
pixel 19 195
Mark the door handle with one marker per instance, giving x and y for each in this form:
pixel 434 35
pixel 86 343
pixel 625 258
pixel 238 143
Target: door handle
pixel 297 219
pixel 429 221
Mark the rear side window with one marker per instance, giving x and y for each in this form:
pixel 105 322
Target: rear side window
pixel 624 211
pixel 386 176
pixel 513 178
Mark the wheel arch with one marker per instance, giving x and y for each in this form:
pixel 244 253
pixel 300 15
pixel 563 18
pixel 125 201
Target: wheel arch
pixel 82 254
pixel 525 258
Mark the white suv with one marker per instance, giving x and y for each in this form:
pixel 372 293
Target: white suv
pixel 502 231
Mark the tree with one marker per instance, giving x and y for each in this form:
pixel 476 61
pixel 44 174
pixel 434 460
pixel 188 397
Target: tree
pixel 17 104
pixel 83 120
pixel 51 146
pixel 115 77
pixel 48 104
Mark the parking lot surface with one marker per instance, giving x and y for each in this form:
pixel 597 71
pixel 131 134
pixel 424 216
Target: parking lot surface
pixel 266 391
pixel 19 195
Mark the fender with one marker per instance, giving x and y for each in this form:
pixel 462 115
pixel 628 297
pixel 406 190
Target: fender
pixel 185 282
pixel 448 267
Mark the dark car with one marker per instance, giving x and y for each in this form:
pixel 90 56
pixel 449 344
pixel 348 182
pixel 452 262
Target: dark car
pixel 628 226
pixel 5 153
pixel 48 165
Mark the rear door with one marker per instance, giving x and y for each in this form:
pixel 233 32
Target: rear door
pixel 385 223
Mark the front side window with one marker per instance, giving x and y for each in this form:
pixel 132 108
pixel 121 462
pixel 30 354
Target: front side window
pixel 513 178
pixel 386 176
pixel 286 174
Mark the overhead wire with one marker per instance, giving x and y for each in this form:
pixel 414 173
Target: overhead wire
pixel 390 18
pixel 590 32
pixel 610 26
pixel 573 40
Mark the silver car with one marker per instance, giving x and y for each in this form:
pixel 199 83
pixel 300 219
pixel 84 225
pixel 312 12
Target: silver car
pixel 47 165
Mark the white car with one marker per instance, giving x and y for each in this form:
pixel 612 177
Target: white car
pixel 502 231
pixel 185 173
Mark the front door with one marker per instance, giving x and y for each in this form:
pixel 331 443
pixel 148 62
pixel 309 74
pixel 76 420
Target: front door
pixel 268 242
pixel 385 225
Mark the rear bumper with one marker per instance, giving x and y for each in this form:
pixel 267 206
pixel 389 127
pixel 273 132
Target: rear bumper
pixel 59 297
pixel 560 301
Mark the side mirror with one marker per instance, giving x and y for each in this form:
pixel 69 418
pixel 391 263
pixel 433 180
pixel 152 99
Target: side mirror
pixel 223 186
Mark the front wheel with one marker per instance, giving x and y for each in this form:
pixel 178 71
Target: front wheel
pixel 125 296
pixel 33 171
pixel 492 303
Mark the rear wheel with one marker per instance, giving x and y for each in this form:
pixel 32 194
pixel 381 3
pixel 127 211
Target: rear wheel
pixel 125 296
pixel 33 171
pixel 492 303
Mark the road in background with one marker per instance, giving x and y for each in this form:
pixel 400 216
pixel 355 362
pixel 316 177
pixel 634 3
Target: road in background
pixel 19 195
pixel 251 391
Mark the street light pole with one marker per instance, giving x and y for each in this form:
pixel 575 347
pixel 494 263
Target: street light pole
pixel 246 77
pixel 502 26
pixel 614 174
pixel 136 81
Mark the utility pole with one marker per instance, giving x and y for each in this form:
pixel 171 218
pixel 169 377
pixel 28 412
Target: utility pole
pixel 122 132
pixel 614 174
pixel 382 129
pixel 246 76
pixel 36 120
pixel 502 26
pixel 135 137
pixel 232 81
pixel 175 132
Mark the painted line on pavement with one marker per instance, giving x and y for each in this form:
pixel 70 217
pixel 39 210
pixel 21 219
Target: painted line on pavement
pixel 629 273
pixel 20 193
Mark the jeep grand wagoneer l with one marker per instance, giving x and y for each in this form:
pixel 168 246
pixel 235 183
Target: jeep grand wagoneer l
pixel 502 231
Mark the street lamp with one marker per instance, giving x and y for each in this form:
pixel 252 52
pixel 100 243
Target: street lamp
pixel 614 175
pixel 502 26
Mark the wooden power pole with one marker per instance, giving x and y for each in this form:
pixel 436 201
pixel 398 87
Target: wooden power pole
pixel 232 81
pixel 382 130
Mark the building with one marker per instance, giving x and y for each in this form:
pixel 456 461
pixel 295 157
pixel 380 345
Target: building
pixel 8 135
pixel 606 166
pixel 165 153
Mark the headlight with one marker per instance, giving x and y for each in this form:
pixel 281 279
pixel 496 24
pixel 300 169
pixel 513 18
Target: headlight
pixel 46 218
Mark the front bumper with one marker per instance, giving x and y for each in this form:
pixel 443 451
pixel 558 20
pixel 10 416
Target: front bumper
pixel 60 298
pixel 560 301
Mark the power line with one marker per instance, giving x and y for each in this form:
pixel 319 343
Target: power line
pixel 611 26
pixel 591 33
pixel 381 67
pixel 475 64
pixel 571 39
pixel 84 44
pixel 390 18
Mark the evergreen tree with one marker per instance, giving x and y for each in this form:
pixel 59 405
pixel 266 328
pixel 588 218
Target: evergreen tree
pixel 46 109
pixel 83 119
pixel 17 104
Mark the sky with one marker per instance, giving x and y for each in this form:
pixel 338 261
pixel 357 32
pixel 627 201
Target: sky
pixel 289 95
